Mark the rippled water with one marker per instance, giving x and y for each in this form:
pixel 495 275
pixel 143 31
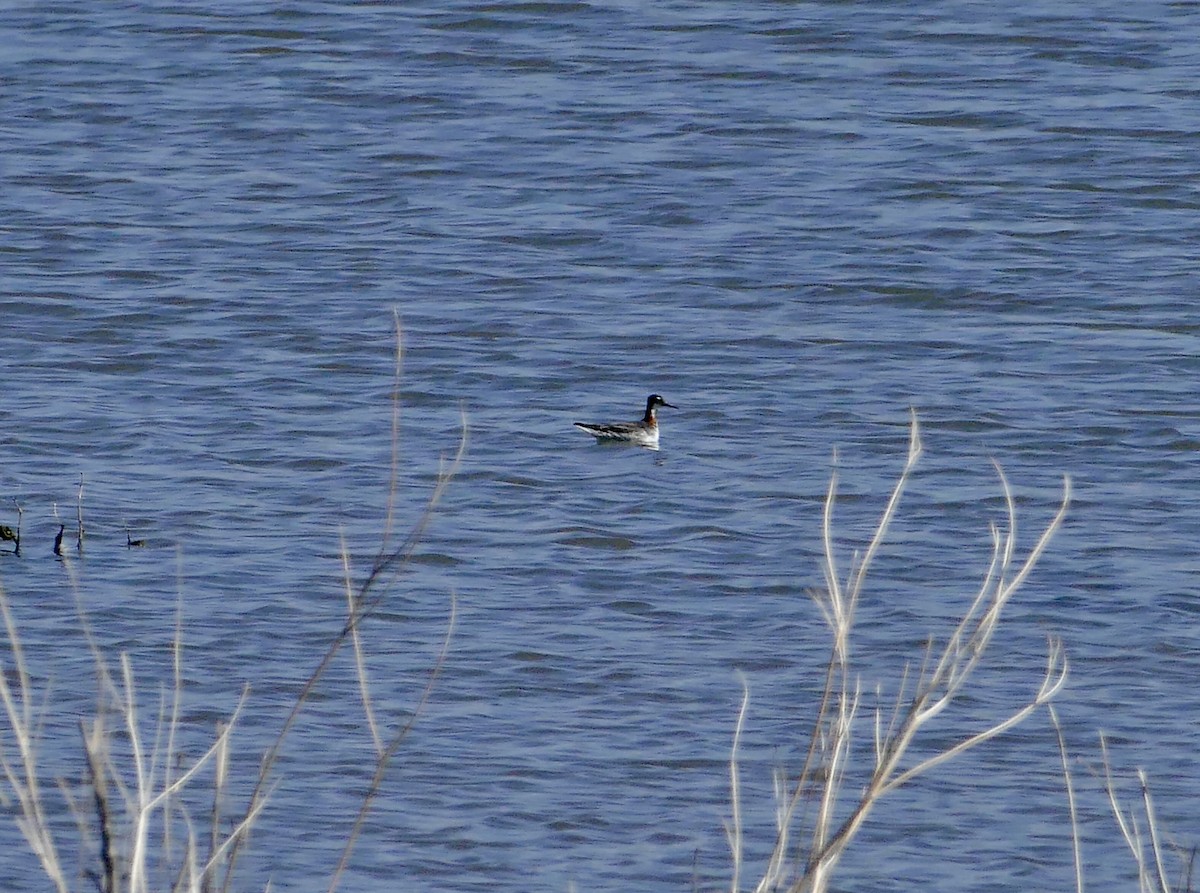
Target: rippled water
pixel 795 221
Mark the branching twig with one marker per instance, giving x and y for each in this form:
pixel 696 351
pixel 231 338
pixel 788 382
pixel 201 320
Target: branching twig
pixel 364 602
pixel 943 675
pixel 386 755
pixel 132 771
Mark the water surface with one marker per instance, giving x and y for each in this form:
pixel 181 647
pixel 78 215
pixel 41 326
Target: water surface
pixel 796 222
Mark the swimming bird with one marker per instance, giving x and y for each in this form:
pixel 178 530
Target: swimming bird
pixel 643 433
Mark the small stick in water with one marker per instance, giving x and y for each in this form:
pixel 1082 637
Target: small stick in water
pixel 79 517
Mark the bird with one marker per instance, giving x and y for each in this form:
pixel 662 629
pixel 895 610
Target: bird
pixel 643 433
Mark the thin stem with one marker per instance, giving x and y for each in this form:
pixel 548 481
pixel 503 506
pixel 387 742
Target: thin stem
pixel 385 757
pixel 733 831
pixel 1076 846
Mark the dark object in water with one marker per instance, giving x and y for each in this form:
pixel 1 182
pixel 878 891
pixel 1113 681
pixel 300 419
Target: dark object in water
pixel 7 534
pixel 58 539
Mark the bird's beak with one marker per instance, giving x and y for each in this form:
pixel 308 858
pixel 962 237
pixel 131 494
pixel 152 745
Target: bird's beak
pixel 672 405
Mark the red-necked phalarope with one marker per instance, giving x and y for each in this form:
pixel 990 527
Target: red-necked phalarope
pixel 643 433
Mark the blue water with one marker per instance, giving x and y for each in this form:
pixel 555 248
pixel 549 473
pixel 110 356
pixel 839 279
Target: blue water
pixel 794 221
